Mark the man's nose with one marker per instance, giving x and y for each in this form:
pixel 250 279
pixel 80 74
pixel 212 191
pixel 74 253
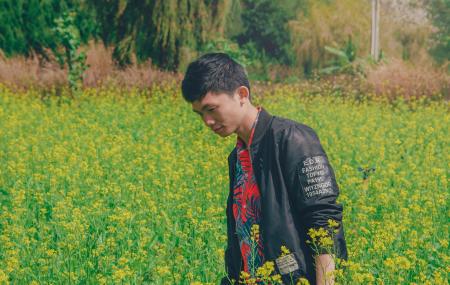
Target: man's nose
pixel 208 120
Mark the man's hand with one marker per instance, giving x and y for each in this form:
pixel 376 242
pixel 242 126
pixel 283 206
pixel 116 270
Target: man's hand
pixel 324 263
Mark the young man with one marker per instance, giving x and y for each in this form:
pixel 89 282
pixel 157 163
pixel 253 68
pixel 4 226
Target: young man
pixel 280 177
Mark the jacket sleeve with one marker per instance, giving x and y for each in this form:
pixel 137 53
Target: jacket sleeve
pixel 311 181
pixel 227 280
pixel 229 266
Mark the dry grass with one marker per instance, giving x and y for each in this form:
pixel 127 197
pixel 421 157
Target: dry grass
pixel 392 79
pixel 103 71
pixel 399 78
pixel 22 73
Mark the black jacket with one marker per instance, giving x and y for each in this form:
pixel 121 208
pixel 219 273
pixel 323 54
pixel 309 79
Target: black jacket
pixel 298 191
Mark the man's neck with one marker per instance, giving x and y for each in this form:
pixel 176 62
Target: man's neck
pixel 245 129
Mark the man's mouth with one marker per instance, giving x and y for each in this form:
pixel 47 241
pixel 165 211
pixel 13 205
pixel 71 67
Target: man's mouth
pixel 217 129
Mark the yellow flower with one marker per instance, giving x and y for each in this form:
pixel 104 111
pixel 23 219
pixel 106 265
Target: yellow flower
pixel 276 278
pixel 284 250
pixel 333 223
pixel 102 279
pixel 403 263
pixel 302 281
pixel 266 269
pixel 220 253
pixel 122 261
pixel 190 276
pixel 244 276
pixel 162 270
pixel 3 276
pixel 255 233
pixel 325 241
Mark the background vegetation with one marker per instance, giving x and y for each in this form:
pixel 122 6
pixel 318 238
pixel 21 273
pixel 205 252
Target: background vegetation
pixel 101 180
pixel 276 40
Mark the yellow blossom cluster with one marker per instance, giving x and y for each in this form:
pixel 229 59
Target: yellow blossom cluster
pixel 130 187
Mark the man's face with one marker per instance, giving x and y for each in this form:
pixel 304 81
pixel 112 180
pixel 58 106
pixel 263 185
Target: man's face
pixel 220 112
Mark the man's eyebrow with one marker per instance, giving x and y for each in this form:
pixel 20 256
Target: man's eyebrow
pixel 203 108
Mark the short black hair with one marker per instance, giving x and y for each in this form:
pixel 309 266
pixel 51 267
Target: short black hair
pixel 213 72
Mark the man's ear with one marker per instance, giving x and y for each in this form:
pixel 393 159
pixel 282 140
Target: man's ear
pixel 244 94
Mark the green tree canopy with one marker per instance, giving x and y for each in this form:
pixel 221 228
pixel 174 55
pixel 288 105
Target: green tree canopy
pixel 169 32
pixel 440 16
pixel 265 24
pixel 26 25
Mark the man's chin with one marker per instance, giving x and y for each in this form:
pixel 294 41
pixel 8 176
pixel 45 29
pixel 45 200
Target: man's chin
pixel 224 133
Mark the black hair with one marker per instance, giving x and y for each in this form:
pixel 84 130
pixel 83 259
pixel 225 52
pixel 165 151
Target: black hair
pixel 213 72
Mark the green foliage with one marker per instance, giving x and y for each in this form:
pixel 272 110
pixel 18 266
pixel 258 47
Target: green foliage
pixel 328 23
pixel 345 60
pixel 169 32
pixel 106 18
pixel 69 37
pixel 440 16
pixel 23 29
pixel 26 26
pixel 350 49
pixel 269 36
pixel 230 48
pixel 406 39
pixel 256 63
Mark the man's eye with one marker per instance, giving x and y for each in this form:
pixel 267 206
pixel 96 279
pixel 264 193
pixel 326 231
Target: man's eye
pixel 211 109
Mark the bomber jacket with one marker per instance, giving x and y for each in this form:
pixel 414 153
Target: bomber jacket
pixel 298 191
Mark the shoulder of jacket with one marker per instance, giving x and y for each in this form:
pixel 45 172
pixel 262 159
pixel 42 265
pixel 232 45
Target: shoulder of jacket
pixel 281 126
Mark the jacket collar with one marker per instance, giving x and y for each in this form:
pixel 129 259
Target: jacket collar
pixel 261 126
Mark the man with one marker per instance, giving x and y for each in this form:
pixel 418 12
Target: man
pixel 281 183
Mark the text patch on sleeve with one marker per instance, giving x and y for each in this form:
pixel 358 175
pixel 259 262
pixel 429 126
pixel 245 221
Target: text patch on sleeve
pixel 315 177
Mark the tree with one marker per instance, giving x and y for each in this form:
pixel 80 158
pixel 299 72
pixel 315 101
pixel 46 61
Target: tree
pixel 325 23
pixel 169 32
pixel 265 24
pixel 26 25
pixel 69 37
pixel 440 17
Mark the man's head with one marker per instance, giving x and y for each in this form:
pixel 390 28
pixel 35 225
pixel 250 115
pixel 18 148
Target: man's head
pixel 219 91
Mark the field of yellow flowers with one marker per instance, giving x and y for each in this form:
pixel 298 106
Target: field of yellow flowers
pixel 131 188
